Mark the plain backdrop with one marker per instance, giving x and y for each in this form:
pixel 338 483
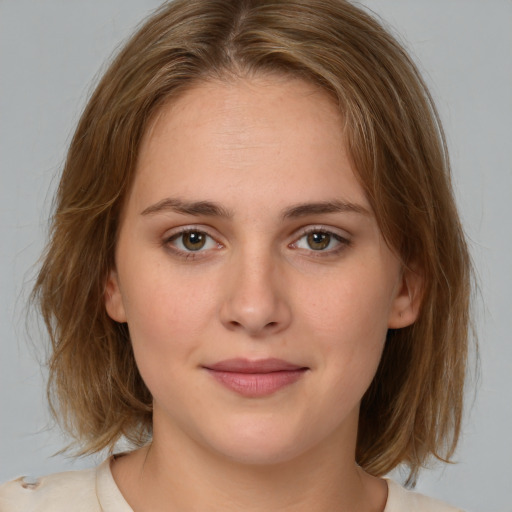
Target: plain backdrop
pixel 50 53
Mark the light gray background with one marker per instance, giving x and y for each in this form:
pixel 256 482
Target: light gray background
pixel 50 52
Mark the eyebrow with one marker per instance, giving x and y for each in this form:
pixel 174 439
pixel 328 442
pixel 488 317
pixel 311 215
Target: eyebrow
pixel 195 208
pixel 211 209
pixel 335 206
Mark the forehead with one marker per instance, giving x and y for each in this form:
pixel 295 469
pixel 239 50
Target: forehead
pixel 269 131
pixel 242 107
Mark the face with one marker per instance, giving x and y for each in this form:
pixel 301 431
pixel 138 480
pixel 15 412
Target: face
pixel 256 285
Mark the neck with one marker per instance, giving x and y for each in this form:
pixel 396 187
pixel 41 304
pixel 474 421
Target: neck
pixel 165 477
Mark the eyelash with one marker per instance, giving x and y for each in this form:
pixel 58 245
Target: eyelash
pixel 342 242
pixel 188 254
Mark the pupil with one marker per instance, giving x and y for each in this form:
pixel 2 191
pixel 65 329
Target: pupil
pixel 318 241
pixel 194 241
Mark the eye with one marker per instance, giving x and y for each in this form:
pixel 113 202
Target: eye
pixel 192 241
pixel 320 240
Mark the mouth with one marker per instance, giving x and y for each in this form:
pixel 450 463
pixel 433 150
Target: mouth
pixel 258 378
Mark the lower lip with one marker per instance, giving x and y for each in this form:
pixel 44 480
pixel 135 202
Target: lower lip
pixel 256 385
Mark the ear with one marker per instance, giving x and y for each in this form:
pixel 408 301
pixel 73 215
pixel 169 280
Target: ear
pixel 407 302
pixel 113 298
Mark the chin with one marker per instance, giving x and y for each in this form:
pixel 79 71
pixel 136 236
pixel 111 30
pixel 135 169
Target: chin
pixel 258 453
pixel 260 443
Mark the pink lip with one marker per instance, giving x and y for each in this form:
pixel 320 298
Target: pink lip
pixel 255 378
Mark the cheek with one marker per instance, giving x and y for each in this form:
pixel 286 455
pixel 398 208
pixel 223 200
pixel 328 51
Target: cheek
pixel 349 323
pixel 352 309
pixel 166 318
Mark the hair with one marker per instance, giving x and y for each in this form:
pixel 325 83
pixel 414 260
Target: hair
pixel 413 408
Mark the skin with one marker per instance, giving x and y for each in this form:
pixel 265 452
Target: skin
pixel 257 148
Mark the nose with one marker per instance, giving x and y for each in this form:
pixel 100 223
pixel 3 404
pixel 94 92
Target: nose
pixel 255 300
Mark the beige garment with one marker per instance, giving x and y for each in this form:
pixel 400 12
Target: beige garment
pixel 94 490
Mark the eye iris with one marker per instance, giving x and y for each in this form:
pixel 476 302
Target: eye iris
pixel 318 241
pixel 194 241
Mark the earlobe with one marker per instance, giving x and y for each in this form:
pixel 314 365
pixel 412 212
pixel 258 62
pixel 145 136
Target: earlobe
pixel 407 302
pixel 113 298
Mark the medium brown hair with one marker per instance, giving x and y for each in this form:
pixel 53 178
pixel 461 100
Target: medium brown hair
pixel 413 407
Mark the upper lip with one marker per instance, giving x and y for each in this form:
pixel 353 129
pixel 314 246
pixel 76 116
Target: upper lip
pixel 240 365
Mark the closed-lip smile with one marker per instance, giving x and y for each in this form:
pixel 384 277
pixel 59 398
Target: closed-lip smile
pixel 255 378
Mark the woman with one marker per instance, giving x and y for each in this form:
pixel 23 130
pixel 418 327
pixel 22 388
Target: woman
pixel 256 271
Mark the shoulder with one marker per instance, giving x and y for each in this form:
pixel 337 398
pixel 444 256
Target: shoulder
pixel 402 500
pixel 74 490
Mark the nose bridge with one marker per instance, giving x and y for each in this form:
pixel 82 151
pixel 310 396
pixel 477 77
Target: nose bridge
pixel 254 300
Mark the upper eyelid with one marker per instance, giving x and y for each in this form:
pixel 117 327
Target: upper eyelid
pixel 169 240
pixel 190 228
pixel 172 235
pixel 323 229
pixel 344 240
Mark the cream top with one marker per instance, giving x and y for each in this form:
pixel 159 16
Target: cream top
pixel 94 490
